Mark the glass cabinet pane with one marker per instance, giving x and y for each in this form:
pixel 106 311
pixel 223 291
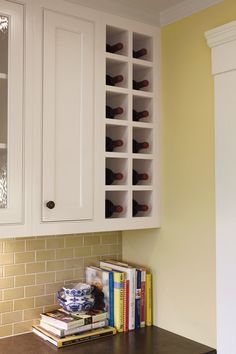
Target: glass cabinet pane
pixel 3 108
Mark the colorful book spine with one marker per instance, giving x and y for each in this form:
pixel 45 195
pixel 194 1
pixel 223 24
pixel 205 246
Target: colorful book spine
pixel 148 299
pixel 143 293
pixel 119 279
pixel 111 299
pixel 138 299
pixel 130 273
pixel 126 305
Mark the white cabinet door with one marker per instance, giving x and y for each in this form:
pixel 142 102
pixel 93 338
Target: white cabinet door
pixel 68 86
pixel 11 112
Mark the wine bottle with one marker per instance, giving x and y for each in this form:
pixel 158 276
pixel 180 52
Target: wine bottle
pixel 139 53
pixel 139 115
pixel 139 146
pixel 112 177
pixel 111 208
pixel 111 144
pixel 114 48
pixel 113 80
pixel 138 207
pixel 137 85
pixel 139 177
pixel 112 112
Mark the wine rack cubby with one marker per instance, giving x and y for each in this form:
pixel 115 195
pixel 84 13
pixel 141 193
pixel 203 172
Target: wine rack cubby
pixel 141 41
pixel 117 133
pixel 143 74
pixel 114 101
pixel 145 201
pixel 118 166
pixel 136 121
pixel 142 104
pixel 118 199
pixel 143 137
pixel 142 166
pixel 115 36
pixel 116 68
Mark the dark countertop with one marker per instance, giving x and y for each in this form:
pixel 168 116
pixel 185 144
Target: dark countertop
pixel 149 340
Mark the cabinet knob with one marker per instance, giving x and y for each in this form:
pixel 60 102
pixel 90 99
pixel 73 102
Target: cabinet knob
pixel 50 204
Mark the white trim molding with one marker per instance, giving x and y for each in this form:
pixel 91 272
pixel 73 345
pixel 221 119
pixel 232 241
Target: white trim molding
pixel 221 35
pixel 222 41
pixel 185 9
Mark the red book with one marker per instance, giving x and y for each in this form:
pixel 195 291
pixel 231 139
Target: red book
pixel 126 305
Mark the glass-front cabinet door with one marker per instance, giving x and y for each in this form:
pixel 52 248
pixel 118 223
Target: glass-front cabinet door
pixel 11 113
pixel 4 26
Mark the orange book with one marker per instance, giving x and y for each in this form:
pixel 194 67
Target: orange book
pixel 126 305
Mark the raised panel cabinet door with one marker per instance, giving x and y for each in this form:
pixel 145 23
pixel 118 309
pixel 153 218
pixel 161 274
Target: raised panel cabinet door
pixel 11 113
pixel 68 109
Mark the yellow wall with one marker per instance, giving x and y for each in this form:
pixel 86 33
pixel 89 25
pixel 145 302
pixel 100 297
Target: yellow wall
pixel 182 253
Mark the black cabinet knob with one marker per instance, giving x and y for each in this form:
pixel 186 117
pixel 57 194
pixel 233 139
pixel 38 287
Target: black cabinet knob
pixel 50 204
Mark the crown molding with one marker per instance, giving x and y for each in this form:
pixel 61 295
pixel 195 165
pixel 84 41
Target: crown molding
pixel 184 9
pixel 122 9
pixel 221 34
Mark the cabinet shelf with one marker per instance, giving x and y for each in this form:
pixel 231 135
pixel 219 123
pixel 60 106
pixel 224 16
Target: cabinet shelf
pixel 142 156
pixel 116 89
pixel 142 63
pixel 116 188
pixel 143 125
pixel 142 94
pixel 3 146
pixel 116 122
pixel 3 76
pixel 142 188
pixel 116 155
pixel 117 57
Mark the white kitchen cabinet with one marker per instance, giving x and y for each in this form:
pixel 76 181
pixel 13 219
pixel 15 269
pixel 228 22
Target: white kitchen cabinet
pixel 11 114
pixel 68 85
pixel 60 154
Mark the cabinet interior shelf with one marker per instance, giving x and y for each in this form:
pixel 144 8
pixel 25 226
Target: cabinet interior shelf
pixel 116 122
pixel 142 93
pixel 3 146
pixel 117 89
pixel 143 125
pixel 116 188
pixel 143 156
pixel 142 188
pixel 118 57
pixel 143 63
pixel 117 154
pixel 3 76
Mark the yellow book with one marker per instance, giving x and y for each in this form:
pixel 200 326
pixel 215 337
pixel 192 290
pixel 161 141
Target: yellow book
pixel 119 279
pixel 74 338
pixel 148 299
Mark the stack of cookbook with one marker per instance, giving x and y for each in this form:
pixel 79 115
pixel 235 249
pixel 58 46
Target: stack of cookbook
pixel 63 328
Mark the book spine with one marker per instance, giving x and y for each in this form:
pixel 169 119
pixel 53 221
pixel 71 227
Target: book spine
pixel 126 305
pixel 149 299
pixel 138 299
pixel 111 300
pixel 131 276
pixel 85 339
pixel 143 290
pixel 44 336
pixel 119 300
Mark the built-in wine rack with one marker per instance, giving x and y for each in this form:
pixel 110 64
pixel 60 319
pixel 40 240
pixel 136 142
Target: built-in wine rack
pixel 131 176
